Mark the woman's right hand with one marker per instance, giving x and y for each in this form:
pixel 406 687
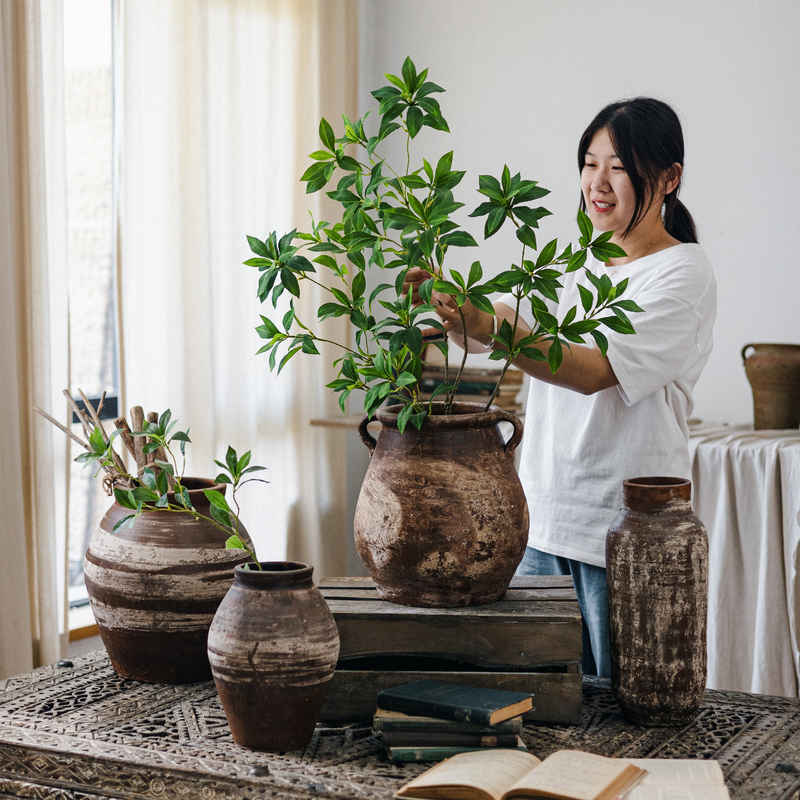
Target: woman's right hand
pixel 415 277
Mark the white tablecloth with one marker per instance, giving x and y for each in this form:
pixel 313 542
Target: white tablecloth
pixel 746 490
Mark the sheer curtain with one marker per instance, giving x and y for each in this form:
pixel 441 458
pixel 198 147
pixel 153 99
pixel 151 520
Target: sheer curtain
pixel 34 359
pixel 220 105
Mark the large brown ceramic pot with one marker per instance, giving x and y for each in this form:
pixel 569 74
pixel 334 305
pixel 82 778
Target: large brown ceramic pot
pixel 774 374
pixel 657 572
pixel 154 588
pixel 442 519
pixel 273 648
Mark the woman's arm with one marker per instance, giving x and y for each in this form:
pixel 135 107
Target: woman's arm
pixel 584 369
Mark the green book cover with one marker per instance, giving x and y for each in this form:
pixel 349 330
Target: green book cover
pixel 455 701
pixel 438 753
pixel 397 721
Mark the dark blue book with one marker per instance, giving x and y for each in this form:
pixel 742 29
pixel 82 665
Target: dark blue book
pixel 456 701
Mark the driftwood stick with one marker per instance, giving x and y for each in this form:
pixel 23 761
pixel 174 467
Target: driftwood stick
pixel 61 427
pixel 79 413
pixel 137 424
pixel 95 415
pixel 152 416
pixel 121 424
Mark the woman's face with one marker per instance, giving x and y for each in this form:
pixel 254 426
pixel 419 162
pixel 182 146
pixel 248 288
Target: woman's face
pixel 606 187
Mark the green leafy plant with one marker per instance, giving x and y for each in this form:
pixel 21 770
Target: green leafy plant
pixel 396 220
pixel 160 486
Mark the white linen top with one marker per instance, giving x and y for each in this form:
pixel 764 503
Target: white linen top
pixel 577 449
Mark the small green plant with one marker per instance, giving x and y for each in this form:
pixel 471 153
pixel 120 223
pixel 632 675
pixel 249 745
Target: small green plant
pixel 399 219
pixel 159 486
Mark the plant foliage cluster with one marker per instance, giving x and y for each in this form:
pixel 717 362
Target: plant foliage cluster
pixel 161 487
pixel 395 220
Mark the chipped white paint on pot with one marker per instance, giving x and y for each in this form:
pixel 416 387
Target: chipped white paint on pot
pixel 273 647
pixel 657 572
pixel 154 588
pixel 442 520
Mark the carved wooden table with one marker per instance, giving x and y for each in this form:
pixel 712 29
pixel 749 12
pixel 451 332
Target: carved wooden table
pixel 84 732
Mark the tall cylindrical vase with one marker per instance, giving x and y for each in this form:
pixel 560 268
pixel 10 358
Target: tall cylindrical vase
pixel 657 569
pixel 273 647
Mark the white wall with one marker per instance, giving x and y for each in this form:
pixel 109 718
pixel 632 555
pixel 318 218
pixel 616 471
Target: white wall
pixel 525 77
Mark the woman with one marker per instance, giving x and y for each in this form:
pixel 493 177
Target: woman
pixel 600 420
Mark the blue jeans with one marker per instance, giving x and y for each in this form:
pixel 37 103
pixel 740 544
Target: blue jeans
pixel 592 591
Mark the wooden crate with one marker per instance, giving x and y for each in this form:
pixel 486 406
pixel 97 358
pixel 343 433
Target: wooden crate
pixel 530 640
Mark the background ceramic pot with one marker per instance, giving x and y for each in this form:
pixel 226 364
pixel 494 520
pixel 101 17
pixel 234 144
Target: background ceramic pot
pixel 154 588
pixel 442 519
pixel 657 571
pixel 273 648
pixel 774 374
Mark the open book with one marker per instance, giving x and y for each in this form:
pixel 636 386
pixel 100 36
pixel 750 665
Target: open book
pixel 679 779
pixel 501 774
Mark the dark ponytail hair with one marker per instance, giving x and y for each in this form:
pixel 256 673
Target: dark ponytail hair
pixel 646 134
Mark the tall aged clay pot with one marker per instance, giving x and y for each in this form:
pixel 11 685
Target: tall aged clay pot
pixel 154 588
pixel 442 519
pixel 657 570
pixel 774 374
pixel 273 648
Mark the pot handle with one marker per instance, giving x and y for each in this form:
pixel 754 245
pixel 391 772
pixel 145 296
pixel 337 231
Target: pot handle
pixel 366 437
pixel 516 438
pixel 744 350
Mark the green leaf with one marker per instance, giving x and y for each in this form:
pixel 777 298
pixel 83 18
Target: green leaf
pixel 459 239
pixel 258 247
pixel 327 135
pixel 217 499
pixel 586 228
pixel 587 298
pixel 409 72
pixel 414 119
pixel 141 494
pixel 124 498
pixel 627 305
pixel 494 221
pixel 601 341
pixel 221 516
pixel 125 520
pixel 526 235
pixel 235 543
pixel 475 273
pixel 555 355
pixel 547 254
pixel 404 416
pixel 616 324
pixel 576 261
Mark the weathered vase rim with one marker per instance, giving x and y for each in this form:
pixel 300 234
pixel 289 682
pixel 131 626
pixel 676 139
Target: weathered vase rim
pixel 274 573
pixel 656 481
pixel 472 414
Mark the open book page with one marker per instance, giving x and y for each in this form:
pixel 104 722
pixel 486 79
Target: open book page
pixel 578 776
pixel 487 774
pixel 679 779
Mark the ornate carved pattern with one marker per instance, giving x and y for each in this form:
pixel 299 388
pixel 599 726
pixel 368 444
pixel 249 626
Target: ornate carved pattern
pixel 84 733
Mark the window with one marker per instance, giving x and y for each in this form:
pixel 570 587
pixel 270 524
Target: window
pixel 88 110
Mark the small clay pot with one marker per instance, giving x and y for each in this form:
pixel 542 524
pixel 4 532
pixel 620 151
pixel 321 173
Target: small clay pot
pixel 774 374
pixel 441 519
pixel 657 572
pixel 154 588
pixel 273 648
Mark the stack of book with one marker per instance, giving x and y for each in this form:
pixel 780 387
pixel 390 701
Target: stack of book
pixel 432 720
pixel 477 383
